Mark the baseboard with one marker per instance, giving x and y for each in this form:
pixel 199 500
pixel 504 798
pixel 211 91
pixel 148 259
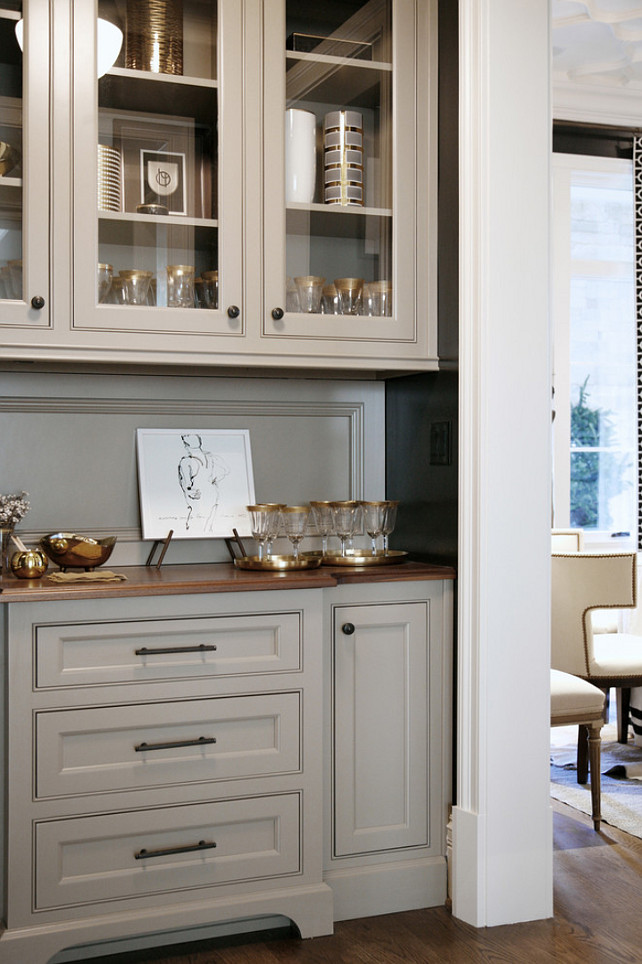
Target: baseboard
pixel 388 888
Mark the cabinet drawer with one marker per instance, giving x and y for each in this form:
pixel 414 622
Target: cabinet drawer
pixel 147 649
pixel 126 747
pixel 90 859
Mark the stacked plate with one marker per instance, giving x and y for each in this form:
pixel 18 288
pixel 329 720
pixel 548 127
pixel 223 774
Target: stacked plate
pixel 110 178
pixel 343 157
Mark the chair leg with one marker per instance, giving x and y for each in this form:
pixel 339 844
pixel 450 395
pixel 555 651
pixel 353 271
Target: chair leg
pixel 595 754
pixel 623 712
pixel 582 754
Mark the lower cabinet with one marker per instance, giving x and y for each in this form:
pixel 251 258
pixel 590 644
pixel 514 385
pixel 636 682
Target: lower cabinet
pixel 204 759
pixel 388 673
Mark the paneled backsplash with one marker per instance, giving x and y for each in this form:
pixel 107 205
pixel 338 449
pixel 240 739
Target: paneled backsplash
pixel 69 440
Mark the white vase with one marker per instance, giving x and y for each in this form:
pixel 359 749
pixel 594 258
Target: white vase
pixel 300 155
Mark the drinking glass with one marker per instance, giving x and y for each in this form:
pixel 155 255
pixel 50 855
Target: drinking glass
pixel 104 275
pixel 259 524
pixel 180 286
pixel 295 520
pixel 272 523
pixel 380 298
pixel 322 515
pixel 117 294
pixel 345 518
pixel 210 288
pixel 389 519
pixel 349 291
pixel 136 285
pixel 374 520
pixel 330 300
pixel 292 302
pixel 310 289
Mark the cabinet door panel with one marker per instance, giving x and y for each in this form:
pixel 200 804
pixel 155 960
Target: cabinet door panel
pixel 380 728
pixel 24 174
pixel 154 744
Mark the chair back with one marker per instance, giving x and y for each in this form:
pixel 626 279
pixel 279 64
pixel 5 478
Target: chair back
pixel 567 540
pixel 581 582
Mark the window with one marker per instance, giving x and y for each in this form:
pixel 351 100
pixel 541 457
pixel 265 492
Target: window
pixel 595 350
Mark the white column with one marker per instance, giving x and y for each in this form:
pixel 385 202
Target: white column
pixel 502 821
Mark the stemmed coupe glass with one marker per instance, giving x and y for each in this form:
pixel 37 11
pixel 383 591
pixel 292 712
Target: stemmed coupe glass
pixel 322 515
pixel 390 517
pixel 374 514
pixel 295 521
pixel 345 518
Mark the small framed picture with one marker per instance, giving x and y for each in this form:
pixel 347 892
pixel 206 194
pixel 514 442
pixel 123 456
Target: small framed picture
pixel 163 180
pixel 194 482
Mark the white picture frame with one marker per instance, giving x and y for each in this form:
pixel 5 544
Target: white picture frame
pixel 195 483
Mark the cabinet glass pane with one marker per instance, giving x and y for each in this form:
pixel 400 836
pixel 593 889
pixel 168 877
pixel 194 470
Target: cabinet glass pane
pixel 338 177
pixel 11 150
pixel 157 170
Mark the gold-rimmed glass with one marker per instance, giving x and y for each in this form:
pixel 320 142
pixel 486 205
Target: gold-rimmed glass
pixel 374 514
pixel 295 521
pixel 389 521
pixel 259 526
pixel 345 519
pixel 322 516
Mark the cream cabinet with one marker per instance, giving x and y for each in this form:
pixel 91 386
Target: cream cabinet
pixel 388 670
pixel 179 230
pixel 176 779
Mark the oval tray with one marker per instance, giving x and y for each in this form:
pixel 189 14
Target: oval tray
pixel 391 558
pixel 278 563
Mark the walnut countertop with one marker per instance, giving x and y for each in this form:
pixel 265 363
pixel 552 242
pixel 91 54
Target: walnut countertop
pixel 213 577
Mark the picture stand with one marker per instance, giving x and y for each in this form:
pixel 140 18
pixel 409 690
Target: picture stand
pixel 236 541
pixel 160 542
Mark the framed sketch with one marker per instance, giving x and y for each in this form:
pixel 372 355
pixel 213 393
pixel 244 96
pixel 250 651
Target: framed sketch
pixel 195 482
pixel 162 180
pixel 175 140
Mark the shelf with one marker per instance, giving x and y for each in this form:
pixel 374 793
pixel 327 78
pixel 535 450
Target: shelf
pixel 335 80
pixel 157 221
pixel 319 220
pixel 137 91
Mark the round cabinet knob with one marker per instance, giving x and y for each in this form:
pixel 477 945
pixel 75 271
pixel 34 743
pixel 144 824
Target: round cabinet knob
pixel 348 629
pixel 277 313
pixel 37 302
pixel 233 311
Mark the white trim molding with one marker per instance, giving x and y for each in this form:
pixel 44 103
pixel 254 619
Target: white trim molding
pixel 502 842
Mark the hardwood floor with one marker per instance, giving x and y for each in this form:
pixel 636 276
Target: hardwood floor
pixel 598 892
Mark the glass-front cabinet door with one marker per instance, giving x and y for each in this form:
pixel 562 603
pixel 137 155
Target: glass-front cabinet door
pixel 24 176
pixel 345 137
pixel 157 223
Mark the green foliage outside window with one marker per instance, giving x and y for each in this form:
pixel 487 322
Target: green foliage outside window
pixel 592 428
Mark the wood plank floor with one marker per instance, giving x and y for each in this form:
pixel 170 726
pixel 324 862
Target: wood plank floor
pixel 598 920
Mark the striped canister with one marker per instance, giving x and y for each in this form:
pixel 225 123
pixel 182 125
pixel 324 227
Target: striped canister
pixel 343 157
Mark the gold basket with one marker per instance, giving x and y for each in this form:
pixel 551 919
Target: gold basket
pixel 154 36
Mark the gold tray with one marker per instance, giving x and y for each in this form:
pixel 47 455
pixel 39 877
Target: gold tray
pixel 278 563
pixel 365 558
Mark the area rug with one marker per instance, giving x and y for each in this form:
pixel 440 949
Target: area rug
pixel 621 781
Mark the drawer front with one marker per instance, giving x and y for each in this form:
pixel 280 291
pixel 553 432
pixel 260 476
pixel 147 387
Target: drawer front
pixel 137 651
pixel 92 859
pixel 154 744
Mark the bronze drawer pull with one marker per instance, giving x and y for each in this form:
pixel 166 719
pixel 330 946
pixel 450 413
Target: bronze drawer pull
pixel 203 648
pixel 201 741
pixel 191 848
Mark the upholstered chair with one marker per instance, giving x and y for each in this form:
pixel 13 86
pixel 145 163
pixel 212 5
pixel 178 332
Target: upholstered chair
pixel 581 583
pixel 573 700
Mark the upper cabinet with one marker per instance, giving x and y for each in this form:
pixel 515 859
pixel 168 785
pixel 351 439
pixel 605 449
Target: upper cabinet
pixel 232 182
pixel 24 161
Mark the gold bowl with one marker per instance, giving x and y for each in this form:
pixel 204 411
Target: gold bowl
pixel 68 549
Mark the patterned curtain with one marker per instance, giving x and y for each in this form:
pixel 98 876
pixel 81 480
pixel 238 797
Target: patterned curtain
pixel 637 180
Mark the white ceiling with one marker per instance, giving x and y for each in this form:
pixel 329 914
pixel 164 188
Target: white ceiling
pixel 597 42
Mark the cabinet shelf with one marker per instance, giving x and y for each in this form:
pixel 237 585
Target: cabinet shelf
pixel 162 221
pixel 138 91
pixel 332 221
pixel 334 80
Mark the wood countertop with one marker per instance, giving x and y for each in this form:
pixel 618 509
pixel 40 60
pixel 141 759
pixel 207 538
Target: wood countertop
pixel 213 577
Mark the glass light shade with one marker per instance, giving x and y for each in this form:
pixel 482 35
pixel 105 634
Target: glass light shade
pixel 110 40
